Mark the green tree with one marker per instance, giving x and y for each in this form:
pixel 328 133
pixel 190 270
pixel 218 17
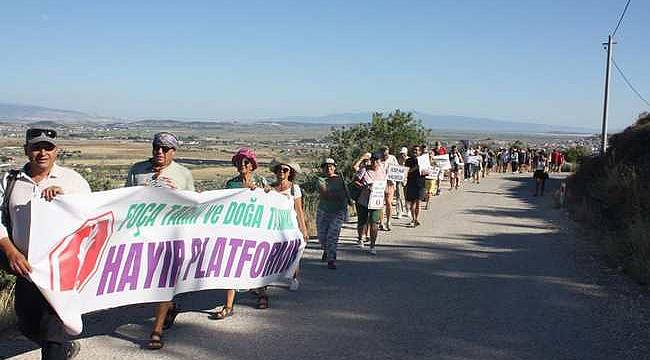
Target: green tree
pixel 574 155
pixel 518 144
pixel 394 130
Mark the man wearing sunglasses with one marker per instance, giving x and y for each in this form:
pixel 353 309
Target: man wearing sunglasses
pixel 161 171
pixel 40 177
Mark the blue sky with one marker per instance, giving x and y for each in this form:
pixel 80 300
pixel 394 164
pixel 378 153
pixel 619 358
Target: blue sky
pixel 531 61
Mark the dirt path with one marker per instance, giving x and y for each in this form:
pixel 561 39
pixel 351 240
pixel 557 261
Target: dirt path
pixel 493 273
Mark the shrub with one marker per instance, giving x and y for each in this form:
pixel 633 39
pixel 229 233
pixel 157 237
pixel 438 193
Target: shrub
pixel 611 194
pixel 395 130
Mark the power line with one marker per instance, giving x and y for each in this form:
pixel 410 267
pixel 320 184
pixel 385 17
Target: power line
pixel 620 71
pixel 621 18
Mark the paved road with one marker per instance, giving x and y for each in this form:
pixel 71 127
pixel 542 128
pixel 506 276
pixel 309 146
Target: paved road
pixel 493 273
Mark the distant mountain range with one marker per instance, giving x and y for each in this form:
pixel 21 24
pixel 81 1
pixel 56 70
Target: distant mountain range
pixel 446 122
pixel 28 114
pixel 16 113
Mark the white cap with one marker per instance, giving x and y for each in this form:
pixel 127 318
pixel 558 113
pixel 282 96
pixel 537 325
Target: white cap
pixel 404 150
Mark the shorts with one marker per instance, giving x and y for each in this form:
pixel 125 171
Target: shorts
pixel 367 216
pixel 540 174
pixel 414 192
pixel 429 186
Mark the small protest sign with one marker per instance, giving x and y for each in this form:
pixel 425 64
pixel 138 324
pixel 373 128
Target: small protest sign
pixel 397 173
pixel 376 199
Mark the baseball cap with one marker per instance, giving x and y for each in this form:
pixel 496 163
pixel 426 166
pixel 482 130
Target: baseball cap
pixel 328 161
pixel 404 150
pixel 165 139
pixel 34 136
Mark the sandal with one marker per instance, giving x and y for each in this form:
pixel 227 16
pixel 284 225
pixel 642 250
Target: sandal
pixel 263 302
pixel 223 313
pixel 171 316
pixel 155 341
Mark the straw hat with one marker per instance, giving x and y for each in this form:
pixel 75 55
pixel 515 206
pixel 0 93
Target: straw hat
pixel 282 161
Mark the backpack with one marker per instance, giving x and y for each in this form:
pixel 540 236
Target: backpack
pixel 6 217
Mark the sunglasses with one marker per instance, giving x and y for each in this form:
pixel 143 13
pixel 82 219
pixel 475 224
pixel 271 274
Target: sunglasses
pixel 34 133
pixel 164 149
pixel 42 146
pixel 282 169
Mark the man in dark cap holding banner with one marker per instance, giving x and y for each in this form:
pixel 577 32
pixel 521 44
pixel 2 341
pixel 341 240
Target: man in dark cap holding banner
pixel 40 177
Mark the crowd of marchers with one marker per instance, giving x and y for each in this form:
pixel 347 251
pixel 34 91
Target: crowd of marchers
pixel 373 195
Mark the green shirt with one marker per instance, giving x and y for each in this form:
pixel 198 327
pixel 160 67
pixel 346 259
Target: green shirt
pixel 238 182
pixel 335 198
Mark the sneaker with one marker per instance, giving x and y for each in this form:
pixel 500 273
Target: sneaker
pixel 72 349
pixel 331 265
pixel 372 251
pixel 360 244
pixel 295 284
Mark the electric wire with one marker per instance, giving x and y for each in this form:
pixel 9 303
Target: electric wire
pixel 629 84
pixel 620 19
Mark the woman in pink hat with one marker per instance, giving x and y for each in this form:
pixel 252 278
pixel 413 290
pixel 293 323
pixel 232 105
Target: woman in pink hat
pixel 245 161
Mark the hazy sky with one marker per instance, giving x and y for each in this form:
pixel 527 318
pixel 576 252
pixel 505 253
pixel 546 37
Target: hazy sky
pixel 536 61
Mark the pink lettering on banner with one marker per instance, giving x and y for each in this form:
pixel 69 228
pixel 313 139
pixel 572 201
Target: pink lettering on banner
pixel 235 244
pixel 245 256
pixel 167 259
pixel 198 250
pixel 111 269
pixel 166 263
pixel 131 271
pixel 155 251
pixel 216 258
pixel 259 260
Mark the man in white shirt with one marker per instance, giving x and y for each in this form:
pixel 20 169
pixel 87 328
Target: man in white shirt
pixel 40 177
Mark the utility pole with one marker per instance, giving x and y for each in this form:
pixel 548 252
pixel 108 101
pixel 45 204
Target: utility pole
pixel 603 141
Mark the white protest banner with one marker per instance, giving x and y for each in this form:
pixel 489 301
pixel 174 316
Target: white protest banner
pixel 376 199
pixel 397 173
pixel 142 244
pixel 442 161
pixel 424 164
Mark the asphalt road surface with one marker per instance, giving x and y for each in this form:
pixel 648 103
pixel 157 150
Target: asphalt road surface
pixel 492 273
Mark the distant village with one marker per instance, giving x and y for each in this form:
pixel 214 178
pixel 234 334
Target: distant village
pixel 291 137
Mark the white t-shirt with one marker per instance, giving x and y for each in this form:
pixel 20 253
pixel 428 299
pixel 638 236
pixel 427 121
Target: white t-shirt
pixel 297 193
pixel 25 190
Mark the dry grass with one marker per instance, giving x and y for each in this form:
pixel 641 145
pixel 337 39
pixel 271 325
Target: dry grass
pixel 7 315
pixel 611 195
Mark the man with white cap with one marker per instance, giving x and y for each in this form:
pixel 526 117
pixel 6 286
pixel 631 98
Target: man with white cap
pixel 161 171
pixel 40 177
